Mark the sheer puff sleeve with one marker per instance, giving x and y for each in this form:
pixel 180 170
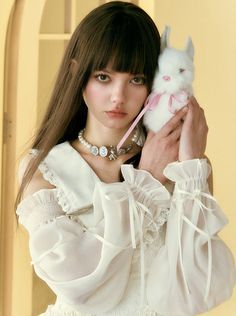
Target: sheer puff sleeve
pixel 70 258
pixel 82 264
pixel 194 270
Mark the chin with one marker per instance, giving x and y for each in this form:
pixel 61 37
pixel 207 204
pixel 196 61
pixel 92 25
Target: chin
pixel 117 126
pixel 116 123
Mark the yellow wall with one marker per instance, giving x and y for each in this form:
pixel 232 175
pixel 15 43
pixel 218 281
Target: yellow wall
pixel 212 24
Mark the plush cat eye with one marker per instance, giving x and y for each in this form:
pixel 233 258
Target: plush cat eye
pixel 181 70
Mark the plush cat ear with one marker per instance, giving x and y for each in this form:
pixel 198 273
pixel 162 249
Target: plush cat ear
pixel 165 38
pixel 190 48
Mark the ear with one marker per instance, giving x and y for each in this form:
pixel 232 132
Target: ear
pixel 190 48
pixel 73 66
pixel 165 38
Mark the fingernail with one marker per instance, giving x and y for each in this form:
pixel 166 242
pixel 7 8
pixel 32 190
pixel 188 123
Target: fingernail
pixel 185 109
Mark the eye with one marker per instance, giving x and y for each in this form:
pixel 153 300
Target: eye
pixel 102 77
pixel 139 80
pixel 181 70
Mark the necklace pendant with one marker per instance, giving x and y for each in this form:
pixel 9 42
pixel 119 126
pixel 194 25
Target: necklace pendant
pixel 112 157
pixel 113 153
pixel 103 151
pixel 94 150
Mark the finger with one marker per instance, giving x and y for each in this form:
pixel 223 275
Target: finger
pixel 177 150
pixel 193 100
pixel 175 135
pixel 174 122
pixel 195 105
pixel 194 111
pixel 203 121
pixel 202 114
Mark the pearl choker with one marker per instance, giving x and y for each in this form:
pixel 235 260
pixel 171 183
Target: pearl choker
pixel 108 151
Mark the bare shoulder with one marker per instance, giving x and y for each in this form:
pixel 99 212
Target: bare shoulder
pixel 36 183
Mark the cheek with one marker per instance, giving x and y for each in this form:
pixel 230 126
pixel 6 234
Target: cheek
pixel 140 96
pixel 92 93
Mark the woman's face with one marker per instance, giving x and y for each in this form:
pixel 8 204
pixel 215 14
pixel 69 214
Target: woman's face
pixel 114 98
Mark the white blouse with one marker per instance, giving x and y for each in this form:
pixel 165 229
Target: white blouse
pixel 131 247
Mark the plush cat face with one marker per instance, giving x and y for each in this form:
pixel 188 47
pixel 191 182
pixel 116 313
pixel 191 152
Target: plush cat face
pixel 175 67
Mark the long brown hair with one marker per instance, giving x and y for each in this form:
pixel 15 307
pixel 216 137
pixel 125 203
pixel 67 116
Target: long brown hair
pixel 118 33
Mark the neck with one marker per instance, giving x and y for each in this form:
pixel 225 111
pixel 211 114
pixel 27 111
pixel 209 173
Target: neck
pixel 100 135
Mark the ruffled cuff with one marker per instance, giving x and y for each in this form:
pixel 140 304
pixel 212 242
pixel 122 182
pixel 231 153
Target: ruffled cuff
pixel 145 188
pixel 39 208
pixel 189 174
pixel 191 186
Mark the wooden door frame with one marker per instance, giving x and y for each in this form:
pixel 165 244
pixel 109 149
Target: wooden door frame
pixel 19 85
pixel 5 16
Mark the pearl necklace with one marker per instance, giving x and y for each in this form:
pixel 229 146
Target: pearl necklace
pixel 108 151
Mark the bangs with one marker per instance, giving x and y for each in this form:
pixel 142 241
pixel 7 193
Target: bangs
pixel 126 46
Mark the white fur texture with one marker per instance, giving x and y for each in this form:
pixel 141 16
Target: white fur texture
pixel 177 65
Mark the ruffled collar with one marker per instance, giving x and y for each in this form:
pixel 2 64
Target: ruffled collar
pixel 75 180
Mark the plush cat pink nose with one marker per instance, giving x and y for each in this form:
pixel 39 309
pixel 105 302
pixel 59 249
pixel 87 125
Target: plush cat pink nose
pixel 166 78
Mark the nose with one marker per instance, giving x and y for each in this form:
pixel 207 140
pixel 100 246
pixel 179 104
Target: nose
pixel 166 78
pixel 118 95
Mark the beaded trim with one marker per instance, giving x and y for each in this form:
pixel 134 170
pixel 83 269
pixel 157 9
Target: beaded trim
pixel 49 176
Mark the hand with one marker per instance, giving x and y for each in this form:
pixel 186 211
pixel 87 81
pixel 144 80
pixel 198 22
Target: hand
pixel 194 133
pixel 163 147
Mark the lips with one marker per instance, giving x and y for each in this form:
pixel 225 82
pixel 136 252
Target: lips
pixel 116 114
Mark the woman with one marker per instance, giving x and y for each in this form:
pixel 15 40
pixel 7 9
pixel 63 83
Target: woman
pixel 108 238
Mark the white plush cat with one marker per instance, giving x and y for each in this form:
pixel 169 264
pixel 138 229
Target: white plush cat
pixel 172 84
